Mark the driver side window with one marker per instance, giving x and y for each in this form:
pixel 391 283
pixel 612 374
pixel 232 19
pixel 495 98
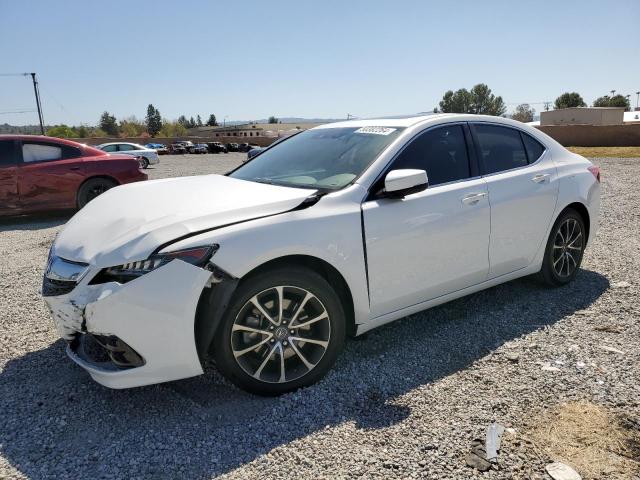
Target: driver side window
pixel 442 152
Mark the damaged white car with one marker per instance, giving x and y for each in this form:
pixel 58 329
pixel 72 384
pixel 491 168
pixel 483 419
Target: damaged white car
pixel 334 231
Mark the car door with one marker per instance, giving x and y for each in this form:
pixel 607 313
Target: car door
pixel 127 148
pixel 110 148
pixel 9 200
pixel 49 175
pixel 523 188
pixel 433 242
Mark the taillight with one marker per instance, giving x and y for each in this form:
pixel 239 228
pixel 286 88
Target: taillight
pixel 596 172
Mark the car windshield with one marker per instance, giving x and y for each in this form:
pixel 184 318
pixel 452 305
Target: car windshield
pixel 326 158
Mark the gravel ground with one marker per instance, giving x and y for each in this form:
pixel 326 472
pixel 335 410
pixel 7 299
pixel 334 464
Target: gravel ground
pixel 406 400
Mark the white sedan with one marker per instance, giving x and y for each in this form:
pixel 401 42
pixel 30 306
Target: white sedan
pixel 148 156
pixel 332 232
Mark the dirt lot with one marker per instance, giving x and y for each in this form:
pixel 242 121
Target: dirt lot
pixel 404 401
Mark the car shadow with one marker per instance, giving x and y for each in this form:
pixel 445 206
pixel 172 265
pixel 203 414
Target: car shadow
pixel 202 427
pixel 35 221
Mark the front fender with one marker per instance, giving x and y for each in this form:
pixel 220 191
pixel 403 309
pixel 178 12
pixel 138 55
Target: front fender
pixel 330 230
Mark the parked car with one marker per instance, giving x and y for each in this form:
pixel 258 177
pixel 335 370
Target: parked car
pixel 232 147
pixel 253 152
pixel 147 156
pixel 158 147
pixel 178 148
pixel 339 229
pixel 256 150
pixel 200 148
pixel 216 147
pixel 40 173
pixel 245 147
pixel 188 145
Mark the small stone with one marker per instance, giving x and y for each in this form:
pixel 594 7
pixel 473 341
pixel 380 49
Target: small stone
pixel 512 357
pixel 622 284
pixel 560 471
pixel 549 368
pixel 475 461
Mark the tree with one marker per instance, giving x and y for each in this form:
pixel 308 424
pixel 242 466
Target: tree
pixel 132 127
pixel 523 113
pixel 272 119
pixel 172 129
pixel 192 123
pixel 108 124
pixel 62 131
pixel 182 120
pixel 615 101
pixel 212 122
pixel 153 120
pixel 83 131
pixel 198 121
pixel 479 100
pixel 569 100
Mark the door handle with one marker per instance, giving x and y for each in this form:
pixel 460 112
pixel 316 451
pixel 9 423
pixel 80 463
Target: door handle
pixel 542 177
pixel 473 198
pixel 74 168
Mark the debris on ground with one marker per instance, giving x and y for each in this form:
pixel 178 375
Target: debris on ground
pixel 492 443
pixel 597 441
pixel 561 471
pixel 477 457
pixel 608 328
pixel 611 349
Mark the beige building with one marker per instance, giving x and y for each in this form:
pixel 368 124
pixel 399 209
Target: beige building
pixel 583 116
pixel 252 130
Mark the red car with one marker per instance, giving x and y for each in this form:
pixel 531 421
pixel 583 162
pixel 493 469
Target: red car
pixel 40 173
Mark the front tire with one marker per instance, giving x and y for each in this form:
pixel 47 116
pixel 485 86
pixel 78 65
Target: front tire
pixel 92 188
pixel 144 162
pixel 283 330
pixel 565 249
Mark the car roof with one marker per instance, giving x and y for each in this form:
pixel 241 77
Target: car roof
pixel 120 143
pixel 411 120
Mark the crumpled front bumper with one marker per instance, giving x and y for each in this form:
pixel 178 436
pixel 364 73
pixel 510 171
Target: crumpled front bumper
pixel 154 314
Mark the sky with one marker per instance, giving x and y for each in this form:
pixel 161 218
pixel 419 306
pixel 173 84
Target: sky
pixel 247 60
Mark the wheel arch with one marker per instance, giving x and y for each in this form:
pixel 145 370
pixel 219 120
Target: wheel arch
pixel 582 211
pixel 331 274
pixel 209 312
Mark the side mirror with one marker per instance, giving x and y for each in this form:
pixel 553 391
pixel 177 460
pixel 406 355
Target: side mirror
pixel 400 183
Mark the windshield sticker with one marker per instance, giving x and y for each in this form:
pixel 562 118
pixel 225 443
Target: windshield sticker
pixel 376 130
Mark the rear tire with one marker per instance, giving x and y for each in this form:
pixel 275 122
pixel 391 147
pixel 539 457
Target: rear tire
pixel 93 188
pixel 564 250
pixel 281 361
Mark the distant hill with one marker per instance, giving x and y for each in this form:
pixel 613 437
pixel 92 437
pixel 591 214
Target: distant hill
pixel 20 129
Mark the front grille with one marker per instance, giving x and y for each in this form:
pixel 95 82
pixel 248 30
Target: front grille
pixel 53 288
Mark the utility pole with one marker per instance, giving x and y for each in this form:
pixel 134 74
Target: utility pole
pixel 546 106
pixel 35 89
pixel 637 98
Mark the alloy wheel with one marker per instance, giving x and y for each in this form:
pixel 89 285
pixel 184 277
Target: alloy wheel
pixel 567 248
pixel 280 334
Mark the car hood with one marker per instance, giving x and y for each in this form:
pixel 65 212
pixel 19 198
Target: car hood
pixel 131 221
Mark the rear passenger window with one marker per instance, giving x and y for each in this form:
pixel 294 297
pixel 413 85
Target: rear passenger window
pixel 501 148
pixel 534 148
pixel 40 152
pixel 442 152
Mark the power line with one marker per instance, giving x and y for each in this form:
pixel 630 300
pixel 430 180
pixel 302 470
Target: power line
pixel 8 112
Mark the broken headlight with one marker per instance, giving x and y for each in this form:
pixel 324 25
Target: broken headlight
pixel 198 256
